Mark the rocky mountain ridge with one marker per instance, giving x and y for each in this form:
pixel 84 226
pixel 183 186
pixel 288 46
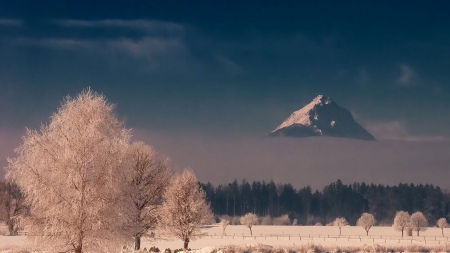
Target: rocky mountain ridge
pixel 322 117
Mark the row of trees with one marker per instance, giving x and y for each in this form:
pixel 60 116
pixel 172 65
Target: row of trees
pixel 84 186
pixel 334 200
pixel 416 222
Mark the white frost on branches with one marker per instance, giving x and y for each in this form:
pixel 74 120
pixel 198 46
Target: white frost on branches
pixel 366 221
pixel 249 220
pixel 418 222
pixel 401 221
pixel 148 178
pixel 224 223
pixel 340 222
pixel 184 208
pixel 72 172
pixel 442 223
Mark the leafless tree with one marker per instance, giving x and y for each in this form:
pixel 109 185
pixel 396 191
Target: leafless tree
pixel 294 222
pixel 366 221
pixel 71 172
pixel 249 220
pixel 149 177
pixel 442 223
pixel 418 222
pixel 184 208
pixel 14 207
pixel 224 223
pixel 401 221
pixel 340 222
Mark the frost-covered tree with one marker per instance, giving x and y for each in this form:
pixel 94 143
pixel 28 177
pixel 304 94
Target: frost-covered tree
pixel 224 223
pixel 184 208
pixel 249 220
pixel 442 223
pixel 71 172
pixel 401 221
pixel 148 178
pixel 418 222
pixel 340 222
pixel 366 221
pixel 13 202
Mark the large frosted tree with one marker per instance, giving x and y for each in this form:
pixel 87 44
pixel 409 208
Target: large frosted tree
pixel 418 222
pixel 401 221
pixel 71 172
pixel 340 222
pixel 442 223
pixel 224 223
pixel 184 209
pixel 148 178
pixel 366 221
pixel 249 220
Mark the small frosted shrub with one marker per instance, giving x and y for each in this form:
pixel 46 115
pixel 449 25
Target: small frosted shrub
pixel 154 249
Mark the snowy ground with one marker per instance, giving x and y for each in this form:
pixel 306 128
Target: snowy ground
pixel 288 235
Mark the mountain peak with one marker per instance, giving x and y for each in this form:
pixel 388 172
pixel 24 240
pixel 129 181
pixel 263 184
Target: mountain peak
pixel 322 116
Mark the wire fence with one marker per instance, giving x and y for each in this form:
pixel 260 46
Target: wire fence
pixel 343 238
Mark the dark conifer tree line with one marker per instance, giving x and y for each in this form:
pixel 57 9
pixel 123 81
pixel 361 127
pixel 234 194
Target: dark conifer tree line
pixel 335 200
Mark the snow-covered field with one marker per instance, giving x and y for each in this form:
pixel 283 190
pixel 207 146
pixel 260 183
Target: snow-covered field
pixel 288 236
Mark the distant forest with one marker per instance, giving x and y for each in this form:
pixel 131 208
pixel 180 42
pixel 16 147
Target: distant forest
pixel 335 200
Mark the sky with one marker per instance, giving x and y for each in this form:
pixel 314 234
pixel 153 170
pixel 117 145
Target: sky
pixel 203 82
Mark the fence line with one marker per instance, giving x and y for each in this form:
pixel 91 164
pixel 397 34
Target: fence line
pixel 360 238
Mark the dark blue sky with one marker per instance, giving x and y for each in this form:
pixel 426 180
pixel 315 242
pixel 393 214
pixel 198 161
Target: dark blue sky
pixel 230 69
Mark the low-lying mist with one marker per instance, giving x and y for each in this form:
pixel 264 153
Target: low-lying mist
pixel 314 161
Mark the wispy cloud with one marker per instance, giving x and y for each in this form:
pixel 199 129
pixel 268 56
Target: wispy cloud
pixel 137 24
pixel 407 77
pixel 65 43
pixel 397 130
pixel 142 48
pixel 11 22
pixel 145 48
pixel 149 53
pixel 52 43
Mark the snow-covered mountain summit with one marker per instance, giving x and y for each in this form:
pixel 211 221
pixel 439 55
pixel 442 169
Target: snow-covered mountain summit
pixel 322 117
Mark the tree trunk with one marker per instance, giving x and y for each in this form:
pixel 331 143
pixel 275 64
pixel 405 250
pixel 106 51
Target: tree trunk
pixel 367 232
pixel 339 231
pixel 418 232
pixel 78 249
pixel 186 243
pixel 442 231
pixel 137 243
pixel 402 232
pixel 251 231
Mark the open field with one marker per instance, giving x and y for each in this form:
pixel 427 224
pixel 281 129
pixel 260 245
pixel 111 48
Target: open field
pixel 288 236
